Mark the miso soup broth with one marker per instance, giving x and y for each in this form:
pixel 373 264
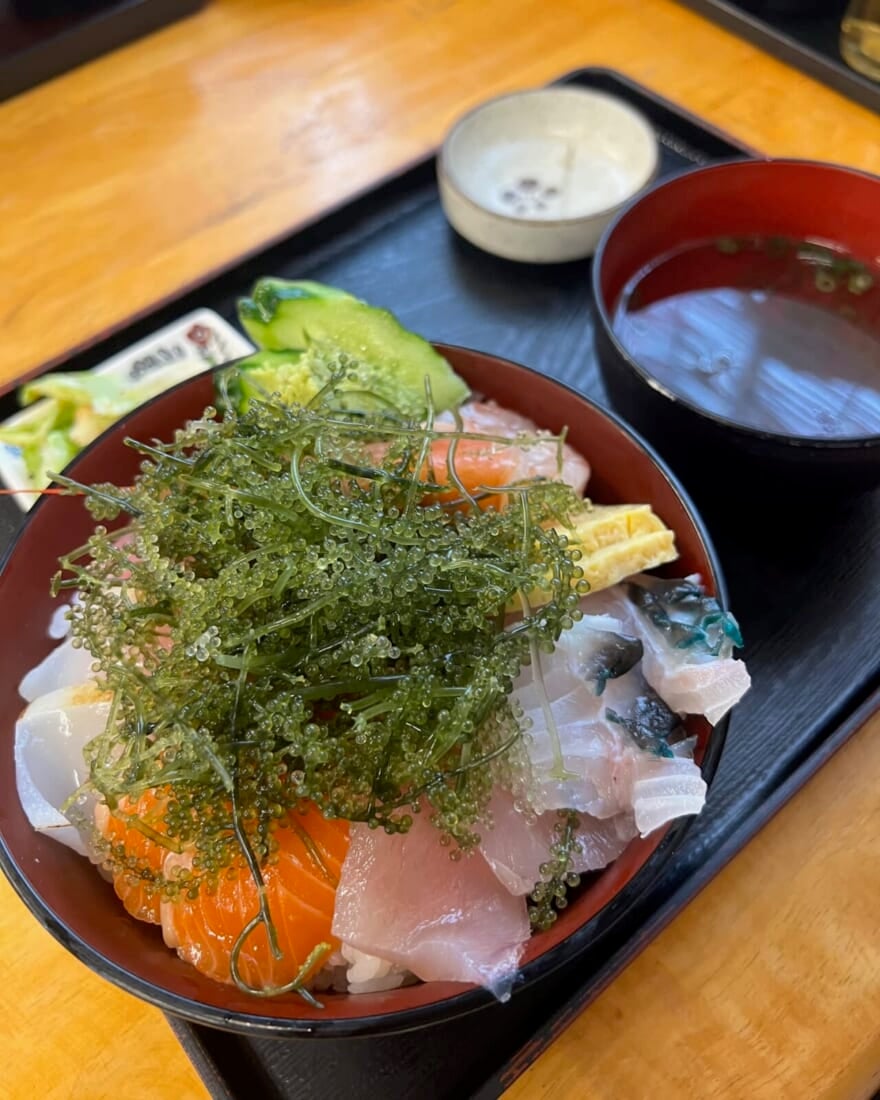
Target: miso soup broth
pixel 780 335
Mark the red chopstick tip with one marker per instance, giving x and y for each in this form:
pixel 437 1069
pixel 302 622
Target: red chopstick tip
pixel 44 492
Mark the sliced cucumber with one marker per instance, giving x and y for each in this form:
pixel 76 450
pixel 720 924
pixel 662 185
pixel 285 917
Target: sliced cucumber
pixel 280 316
pixel 262 375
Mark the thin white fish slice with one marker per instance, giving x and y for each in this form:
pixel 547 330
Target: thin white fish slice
pixel 594 751
pixel 710 687
pixel 519 843
pixel 50 737
pixel 601 841
pixel 64 667
pixel 689 682
pixel 665 788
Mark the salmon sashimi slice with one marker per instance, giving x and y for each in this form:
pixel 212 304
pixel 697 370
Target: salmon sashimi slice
pixel 139 886
pixel 300 879
pixel 403 899
pixel 514 450
pixel 481 464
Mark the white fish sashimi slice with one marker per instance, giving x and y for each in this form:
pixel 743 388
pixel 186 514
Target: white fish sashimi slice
pixel 64 667
pixel 709 687
pixel 402 899
pixel 578 657
pixel 518 844
pixel 574 700
pixel 608 776
pixel 50 737
pixel 665 788
pixel 593 749
pixel 600 842
pixel 688 682
pixel 589 781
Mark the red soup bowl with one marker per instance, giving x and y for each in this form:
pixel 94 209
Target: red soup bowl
pixel 67 895
pixel 781 200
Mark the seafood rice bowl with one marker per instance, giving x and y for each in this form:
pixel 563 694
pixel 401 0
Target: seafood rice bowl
pixel 351 686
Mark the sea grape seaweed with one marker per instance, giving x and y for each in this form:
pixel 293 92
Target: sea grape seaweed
pixel 290 616
pixel 550 892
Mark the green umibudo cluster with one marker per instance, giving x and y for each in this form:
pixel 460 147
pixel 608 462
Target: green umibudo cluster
pixel 289 615
pixel 550 893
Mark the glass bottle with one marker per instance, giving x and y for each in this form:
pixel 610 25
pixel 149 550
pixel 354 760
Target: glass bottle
pixel 860 37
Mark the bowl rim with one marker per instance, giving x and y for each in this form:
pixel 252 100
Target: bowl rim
pixel 471 998
pixel 447 175
pixel 847 443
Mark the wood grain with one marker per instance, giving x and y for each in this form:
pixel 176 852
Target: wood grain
pixel 767 985
pixel 70 1035
pixel 133 176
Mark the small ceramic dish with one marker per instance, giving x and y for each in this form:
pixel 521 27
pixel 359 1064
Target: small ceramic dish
pixel 537 175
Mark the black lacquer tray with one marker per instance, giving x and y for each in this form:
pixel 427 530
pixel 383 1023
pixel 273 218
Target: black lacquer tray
pixel 802 580
pixel 41 39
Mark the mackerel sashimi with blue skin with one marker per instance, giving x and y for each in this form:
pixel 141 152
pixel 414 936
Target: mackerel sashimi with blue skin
pixel 436 684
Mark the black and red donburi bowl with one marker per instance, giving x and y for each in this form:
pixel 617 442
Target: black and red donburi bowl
pixel 798 200
pixel 65 892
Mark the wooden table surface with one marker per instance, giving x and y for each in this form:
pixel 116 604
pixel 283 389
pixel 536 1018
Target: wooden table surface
pixel 135 175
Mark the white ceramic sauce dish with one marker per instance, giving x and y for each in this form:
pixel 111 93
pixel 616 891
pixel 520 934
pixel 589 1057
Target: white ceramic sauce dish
pixel 536 176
